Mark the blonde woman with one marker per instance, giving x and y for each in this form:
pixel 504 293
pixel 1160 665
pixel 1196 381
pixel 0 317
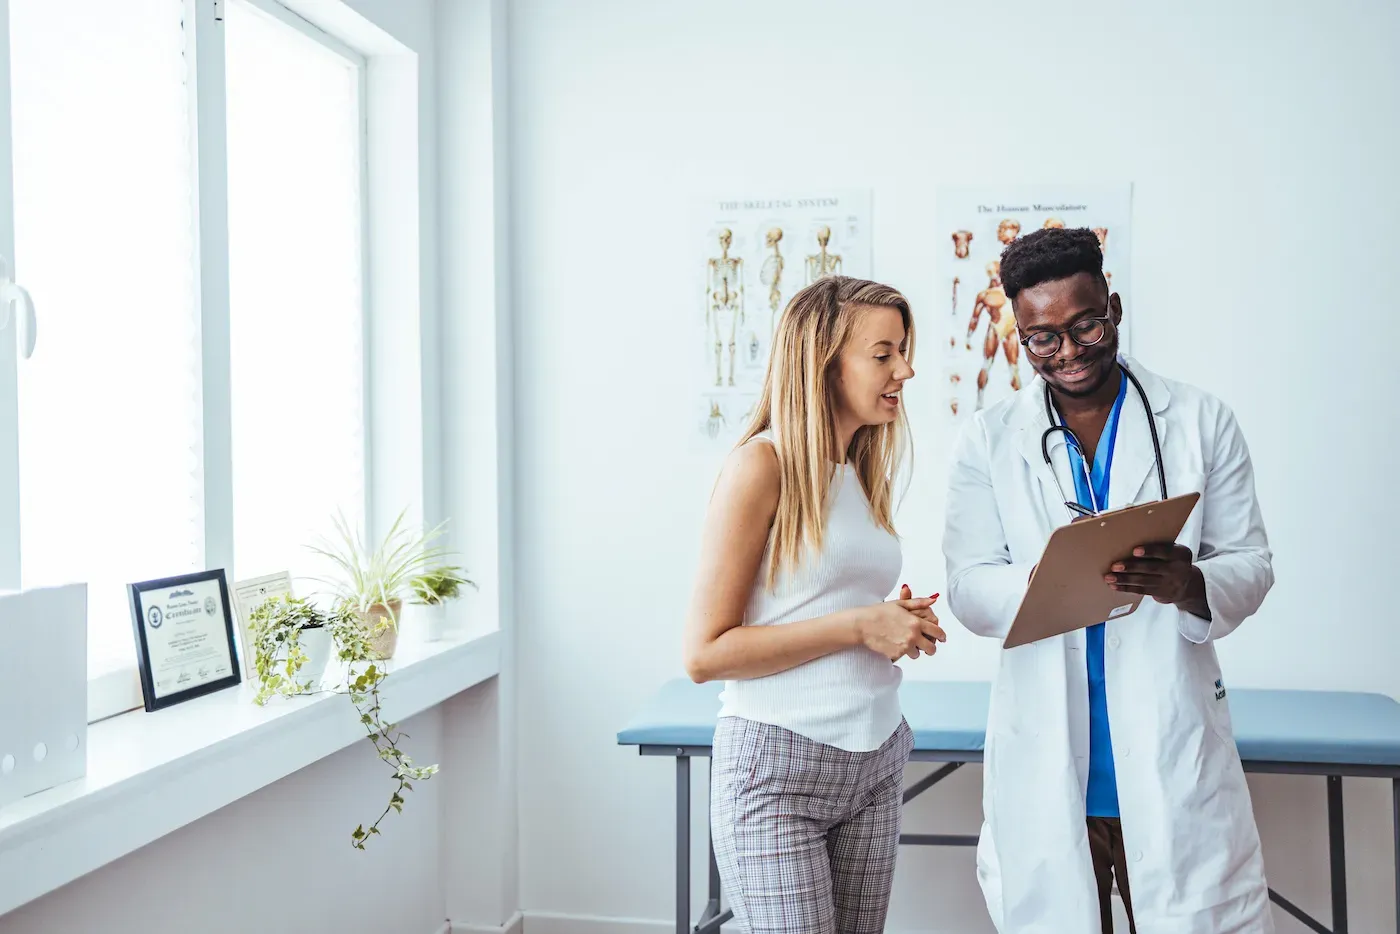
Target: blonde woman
pixel 790 609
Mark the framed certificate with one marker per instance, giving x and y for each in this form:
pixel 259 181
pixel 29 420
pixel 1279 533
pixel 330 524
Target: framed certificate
pixel 248 595
pixel 184 637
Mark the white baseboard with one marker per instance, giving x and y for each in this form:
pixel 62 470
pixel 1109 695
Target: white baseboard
pixel 543 922
pixel 546 922
pixel 516 925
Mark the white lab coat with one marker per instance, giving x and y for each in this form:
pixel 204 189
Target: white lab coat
pixel 1194 861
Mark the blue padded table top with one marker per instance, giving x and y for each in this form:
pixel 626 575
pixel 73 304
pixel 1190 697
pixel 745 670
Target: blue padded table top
pixel 1331 727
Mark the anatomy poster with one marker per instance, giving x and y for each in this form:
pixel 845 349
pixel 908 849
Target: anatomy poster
pixel 754 254
pixel 982 359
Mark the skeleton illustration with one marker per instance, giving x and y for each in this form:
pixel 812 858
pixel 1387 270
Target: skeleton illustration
pixel 1008 230
pixel 715 421
pixel 1102 234
pixel 823 263
pixel 961 240
pixel 955 295
pixel 771 275
pixel 724 294
pixel 1053 223
pixel 1001 331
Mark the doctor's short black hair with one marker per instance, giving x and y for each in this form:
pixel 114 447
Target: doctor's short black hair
pixel 1049 254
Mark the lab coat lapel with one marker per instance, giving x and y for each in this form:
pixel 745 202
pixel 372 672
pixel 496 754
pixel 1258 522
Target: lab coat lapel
pixel 1134 475
pixel 1027 419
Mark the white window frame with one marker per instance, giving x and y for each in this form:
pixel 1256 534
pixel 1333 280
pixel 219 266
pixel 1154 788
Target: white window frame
pixel 120 691
pixel 9 350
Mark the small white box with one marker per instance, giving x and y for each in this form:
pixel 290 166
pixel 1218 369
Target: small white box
pixel 43 689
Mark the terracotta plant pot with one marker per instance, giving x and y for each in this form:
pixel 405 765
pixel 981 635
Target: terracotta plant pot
pixel 387 641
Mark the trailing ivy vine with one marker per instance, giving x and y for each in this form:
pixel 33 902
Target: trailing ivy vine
pixel 276 626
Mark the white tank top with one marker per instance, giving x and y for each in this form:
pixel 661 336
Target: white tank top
pixel 849 699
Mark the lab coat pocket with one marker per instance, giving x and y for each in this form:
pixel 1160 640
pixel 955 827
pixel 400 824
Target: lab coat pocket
pixel 1220 719
pixel 1018 694
pixel 1215 696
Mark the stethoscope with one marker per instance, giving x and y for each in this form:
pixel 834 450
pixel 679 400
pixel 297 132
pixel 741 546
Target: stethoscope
pixel 1045 448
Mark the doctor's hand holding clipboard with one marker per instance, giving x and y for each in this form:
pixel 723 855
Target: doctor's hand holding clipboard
pixel 1165 572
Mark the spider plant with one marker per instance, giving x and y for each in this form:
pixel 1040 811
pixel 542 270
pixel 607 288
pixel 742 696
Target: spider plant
pixel 438 585
pixel 373 581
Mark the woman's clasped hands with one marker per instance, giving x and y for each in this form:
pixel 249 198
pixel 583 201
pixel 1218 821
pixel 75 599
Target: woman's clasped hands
pixel 906 626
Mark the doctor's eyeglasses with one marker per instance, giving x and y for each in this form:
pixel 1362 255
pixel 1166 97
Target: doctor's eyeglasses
pixel 1085 333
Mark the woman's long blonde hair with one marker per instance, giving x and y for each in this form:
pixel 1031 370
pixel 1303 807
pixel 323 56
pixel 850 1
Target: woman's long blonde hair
pixel 798 405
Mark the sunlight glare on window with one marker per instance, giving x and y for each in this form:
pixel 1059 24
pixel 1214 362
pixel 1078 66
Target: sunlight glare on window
pixel 296 258
pixel 110 405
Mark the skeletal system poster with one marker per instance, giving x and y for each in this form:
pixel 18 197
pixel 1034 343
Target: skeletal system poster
pixel 754 254
pixel 982 358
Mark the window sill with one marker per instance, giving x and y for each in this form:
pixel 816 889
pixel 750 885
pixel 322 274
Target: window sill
pixel 149 774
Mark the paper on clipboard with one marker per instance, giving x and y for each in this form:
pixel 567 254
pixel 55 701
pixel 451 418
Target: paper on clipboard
pixel 1067 589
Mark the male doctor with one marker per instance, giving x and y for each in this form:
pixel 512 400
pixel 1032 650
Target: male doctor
pixel 1110 754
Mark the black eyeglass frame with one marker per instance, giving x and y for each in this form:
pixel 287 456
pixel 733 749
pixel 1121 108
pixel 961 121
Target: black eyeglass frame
pixel 1106 318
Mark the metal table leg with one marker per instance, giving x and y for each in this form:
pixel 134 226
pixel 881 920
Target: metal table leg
pixel 1395 812
pixel 1336 834
pixel 714 916
pixel 714 875
pixel 682 844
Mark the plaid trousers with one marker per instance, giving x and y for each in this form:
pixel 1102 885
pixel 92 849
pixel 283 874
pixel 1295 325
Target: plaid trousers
pixel 805 834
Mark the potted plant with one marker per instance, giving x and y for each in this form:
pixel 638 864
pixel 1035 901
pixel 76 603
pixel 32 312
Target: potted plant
pixel 278 626
pixel 432 589
pixel 298 641
pixel 373 582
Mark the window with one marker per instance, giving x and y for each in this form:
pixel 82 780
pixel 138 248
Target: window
pixel 164 423
pixel 110 437
pixel 295 144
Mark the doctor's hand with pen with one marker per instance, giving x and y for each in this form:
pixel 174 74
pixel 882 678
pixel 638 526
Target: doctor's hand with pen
pixel 907 626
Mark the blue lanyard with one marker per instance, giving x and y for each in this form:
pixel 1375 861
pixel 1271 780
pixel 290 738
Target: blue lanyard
pixel 1096 498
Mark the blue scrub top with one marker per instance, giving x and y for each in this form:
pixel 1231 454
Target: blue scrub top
pixel 1102 797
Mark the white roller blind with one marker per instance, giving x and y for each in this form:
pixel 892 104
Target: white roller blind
pixel 296 303
pixel 109 406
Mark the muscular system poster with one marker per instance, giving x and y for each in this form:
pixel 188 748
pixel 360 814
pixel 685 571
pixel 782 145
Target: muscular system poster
pixel 982 360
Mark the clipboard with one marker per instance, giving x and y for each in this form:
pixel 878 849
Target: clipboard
pixel 1067 590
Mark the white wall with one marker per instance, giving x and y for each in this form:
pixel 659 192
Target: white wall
pixel 1260 139
pixel 479 826
pixel 278 861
